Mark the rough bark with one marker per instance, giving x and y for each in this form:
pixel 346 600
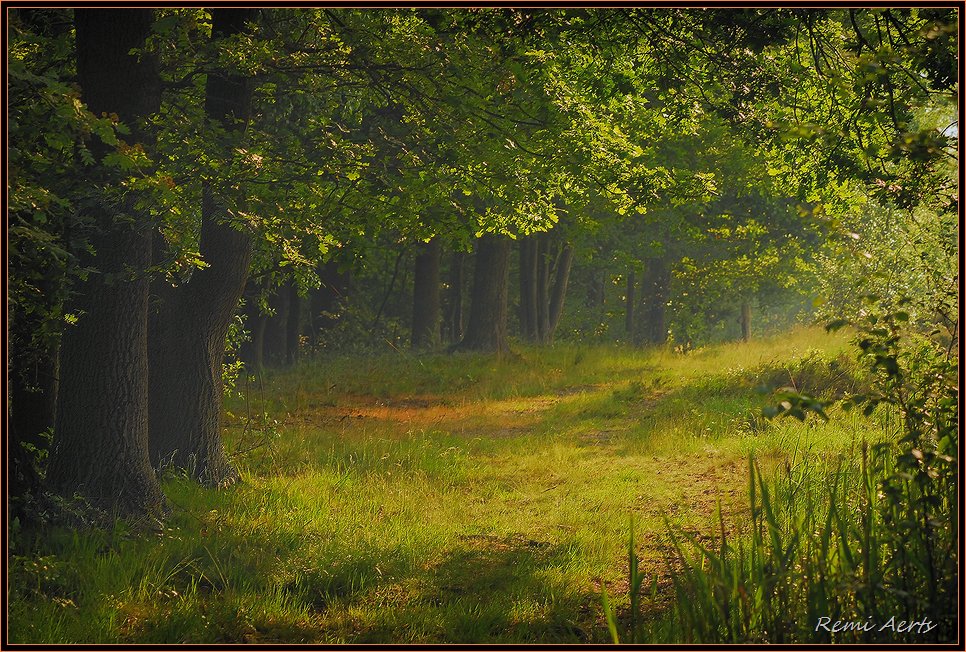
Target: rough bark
pixel 100 448
pixel 426 312
pixel 486 329
pixel 188 341
pixel 453 323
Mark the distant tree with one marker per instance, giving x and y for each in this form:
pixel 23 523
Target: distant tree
pixel 486 326
pixel 426 295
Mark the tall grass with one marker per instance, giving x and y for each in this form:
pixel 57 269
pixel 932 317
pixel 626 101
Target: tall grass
pixel 824 562
pixel 859 549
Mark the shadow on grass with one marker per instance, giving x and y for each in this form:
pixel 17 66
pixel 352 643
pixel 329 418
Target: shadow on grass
pixel 487 590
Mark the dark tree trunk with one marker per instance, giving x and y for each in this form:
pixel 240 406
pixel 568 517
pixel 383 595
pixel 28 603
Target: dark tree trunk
pixel 453 324
pixel 100 448
pixel 630 324
pixel 543 286
pixel 745 321
pixel 528 289
pixel 426 295
pixel 188 343
pixel 293 325
pixel 561 278
pixel 487 327
pixel 655 290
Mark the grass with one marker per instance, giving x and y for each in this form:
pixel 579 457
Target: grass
pixel 443 498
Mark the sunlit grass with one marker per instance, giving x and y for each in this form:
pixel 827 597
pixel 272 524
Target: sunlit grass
pixel 439 498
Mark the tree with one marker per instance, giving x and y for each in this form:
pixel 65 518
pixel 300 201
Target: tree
pixel 545 263
pixel 100 446
pixel 486 328
pixel 190 322
pixel 426 306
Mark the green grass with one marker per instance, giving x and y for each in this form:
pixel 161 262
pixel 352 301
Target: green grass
pixel 438 498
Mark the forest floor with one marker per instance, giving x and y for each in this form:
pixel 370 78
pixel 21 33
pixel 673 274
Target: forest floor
pixel 443 498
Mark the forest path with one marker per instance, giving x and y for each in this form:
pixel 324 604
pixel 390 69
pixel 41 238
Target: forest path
pixel 466 499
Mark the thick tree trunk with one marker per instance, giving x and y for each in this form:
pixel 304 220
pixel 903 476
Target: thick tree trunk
pixel 487 327
pixel 453 323
pixel 425 332
pixel 745 321
pixel 188 347
pixel 100 447
pixel 655 289
pixel 193 320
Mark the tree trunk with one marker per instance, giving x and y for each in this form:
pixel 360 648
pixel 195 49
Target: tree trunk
pixel 561 278
pixel 656 286
pixel 193 320
pixel 487 327
pixel 543 287
pixel 426 295
pixel 629 303
pixel 528 288
pixel 293 325
pixel 745 321
pixel 453 324
pixel 541 298
pixel 100 448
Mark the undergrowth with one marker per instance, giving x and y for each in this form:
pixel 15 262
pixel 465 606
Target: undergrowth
pixel 858 548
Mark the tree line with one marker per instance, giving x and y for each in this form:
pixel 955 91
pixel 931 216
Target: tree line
pixel 186 182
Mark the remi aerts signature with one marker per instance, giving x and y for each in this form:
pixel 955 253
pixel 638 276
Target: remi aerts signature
pixel 893 624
